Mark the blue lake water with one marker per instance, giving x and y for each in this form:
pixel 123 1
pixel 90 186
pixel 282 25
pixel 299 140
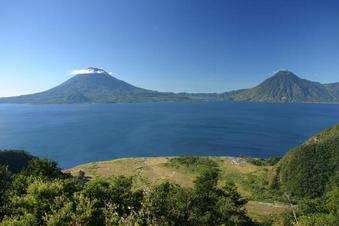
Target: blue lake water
pixel 75 134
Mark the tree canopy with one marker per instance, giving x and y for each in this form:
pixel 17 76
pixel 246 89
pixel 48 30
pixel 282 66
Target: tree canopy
pixel 42 194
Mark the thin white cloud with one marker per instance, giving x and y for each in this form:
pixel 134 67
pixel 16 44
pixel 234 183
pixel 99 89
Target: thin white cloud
pixel 282 69
pixel 88 71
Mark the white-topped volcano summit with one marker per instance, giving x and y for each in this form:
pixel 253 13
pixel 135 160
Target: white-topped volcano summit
pixel 90 70
pixel 93 85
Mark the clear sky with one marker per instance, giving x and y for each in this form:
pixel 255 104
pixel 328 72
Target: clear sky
pixel 167 45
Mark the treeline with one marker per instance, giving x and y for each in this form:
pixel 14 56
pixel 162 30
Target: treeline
pixel 42 194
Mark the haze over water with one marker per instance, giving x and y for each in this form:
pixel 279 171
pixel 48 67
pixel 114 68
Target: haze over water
pixel 76 134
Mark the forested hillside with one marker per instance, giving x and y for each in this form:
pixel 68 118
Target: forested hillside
pixel 312 168
pixel 309 175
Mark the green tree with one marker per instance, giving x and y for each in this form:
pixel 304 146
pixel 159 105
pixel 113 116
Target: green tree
pixel 230 206
pixel 45 168
pixel 20 220
pixel 5 180
pixel 217 206
pixel 206 195
pixel 116 191
pixel 168 204
pixel 15 160
pixel 320 211
pixel 40 199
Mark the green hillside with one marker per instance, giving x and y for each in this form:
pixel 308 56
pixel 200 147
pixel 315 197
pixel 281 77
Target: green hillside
pixel 312 168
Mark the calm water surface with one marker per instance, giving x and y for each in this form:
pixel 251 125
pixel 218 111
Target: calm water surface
pixel 75 134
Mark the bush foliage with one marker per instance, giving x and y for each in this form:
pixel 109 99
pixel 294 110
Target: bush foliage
pixel 42 194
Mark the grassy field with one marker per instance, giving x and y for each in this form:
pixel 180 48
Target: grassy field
pixel 251 180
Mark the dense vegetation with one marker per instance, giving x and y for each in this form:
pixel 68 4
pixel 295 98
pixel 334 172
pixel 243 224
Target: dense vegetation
pixel 15 160
pixel 312 168
pixel 319 211
pixel 42 194
pixel 196 164
pixel 309 176
pixel 263 161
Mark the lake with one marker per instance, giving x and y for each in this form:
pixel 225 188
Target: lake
pixel 76 134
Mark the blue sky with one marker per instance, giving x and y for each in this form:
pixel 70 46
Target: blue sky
pixel 176 45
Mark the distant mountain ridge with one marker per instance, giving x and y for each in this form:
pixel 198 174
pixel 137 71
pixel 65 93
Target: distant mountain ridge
pixel 93 85
pixel 286 87
pixel 333 89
